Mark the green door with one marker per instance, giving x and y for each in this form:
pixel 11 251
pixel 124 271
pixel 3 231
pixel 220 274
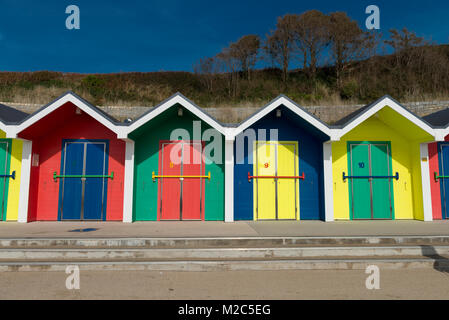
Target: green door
pixel 370 198
pixel 4 181
pixel 360 188
pixel 380 166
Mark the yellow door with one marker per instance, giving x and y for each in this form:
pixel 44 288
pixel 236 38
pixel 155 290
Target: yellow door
pixel 286 167
pixel 276 198
pixel 266 188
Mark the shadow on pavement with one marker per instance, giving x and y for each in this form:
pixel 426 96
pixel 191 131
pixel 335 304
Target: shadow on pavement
pixel 441 263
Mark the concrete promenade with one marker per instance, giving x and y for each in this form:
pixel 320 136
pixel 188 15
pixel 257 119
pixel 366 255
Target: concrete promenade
pixel 188 229
pixel 230 285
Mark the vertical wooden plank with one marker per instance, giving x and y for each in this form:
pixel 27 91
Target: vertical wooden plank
pixel 359 189
pixel 4 155
pixel 382 188
pixel 95 190
pixel 25 181
pixel 425 181
pixel 129 182
pixel 444 171
pixel 71 188
pixel 288 199
pixel 193 188
pixel 435 187
pixel 170 188
pixel 328 182
pixel 266 188
pixel 229 180
pixel 14 185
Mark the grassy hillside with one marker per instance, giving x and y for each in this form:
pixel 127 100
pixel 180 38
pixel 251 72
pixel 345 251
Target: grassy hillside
pixel 419 74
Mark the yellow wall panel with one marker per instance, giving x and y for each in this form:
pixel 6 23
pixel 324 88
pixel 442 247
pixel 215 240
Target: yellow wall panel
pixel 14 185
pixel 341 189
pixel 405 160
pixel 417 183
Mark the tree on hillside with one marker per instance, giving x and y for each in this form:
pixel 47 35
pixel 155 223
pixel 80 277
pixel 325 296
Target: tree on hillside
pixel 371 47
pixel 229 64
pixel 207 68
pixel 312 30
pixel 404 40
pixel 246 51
pixel 346 41
pixel 406 46
pixel 280 43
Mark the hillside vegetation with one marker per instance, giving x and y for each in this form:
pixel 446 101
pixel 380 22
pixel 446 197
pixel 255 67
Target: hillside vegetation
pixel 340 64
pixel 365 82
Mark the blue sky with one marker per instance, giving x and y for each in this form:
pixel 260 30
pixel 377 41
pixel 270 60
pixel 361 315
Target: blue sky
pixel 155 35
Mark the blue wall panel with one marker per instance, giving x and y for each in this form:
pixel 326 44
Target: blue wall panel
pixel 310 141
pixel 243 190
pixel 444 183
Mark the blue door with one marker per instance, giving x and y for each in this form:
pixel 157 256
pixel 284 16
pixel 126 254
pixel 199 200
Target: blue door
pixel 444 182
pixel 83 197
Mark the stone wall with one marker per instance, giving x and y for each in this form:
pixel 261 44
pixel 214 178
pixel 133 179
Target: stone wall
pixel 328 114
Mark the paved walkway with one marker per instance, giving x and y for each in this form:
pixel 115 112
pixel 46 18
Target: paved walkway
pixel 221 229
pixel 229 285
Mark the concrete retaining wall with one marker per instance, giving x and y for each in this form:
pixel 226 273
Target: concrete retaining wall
pixel 328 114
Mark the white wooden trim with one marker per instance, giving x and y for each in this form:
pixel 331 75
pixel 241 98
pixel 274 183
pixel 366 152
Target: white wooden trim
pixel 25 181
pixel 5 128
pixel 443 133
pixel 176 99
pixel 328 182
pixel 283 101
pixel 129 182
pixel 229 180
pixel 425 176
pixel 440 134
pixel 387 102
pixel 10 132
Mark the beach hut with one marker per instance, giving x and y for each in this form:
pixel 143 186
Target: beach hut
pixel 380 164
pixel 75 165
pixel 439 165
pixel 280 164
pixel 10 165
pixel 178 153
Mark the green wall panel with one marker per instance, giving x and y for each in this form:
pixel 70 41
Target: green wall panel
pixel 147 140
pixel 5 161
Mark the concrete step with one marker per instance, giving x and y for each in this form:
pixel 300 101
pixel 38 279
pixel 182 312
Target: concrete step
pixel 53 254
pixel 242 242
pixel 207 254
pixel 232 265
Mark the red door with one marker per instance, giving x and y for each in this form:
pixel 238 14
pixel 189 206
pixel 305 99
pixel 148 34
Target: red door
pixel 181 197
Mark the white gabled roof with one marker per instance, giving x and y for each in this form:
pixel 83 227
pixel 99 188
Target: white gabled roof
pixel 85 106
pixel 171 102
pixel 286 102
pixel 378 105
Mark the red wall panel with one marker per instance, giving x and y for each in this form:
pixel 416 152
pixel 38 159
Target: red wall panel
pixel 47 136
pixel 434 185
